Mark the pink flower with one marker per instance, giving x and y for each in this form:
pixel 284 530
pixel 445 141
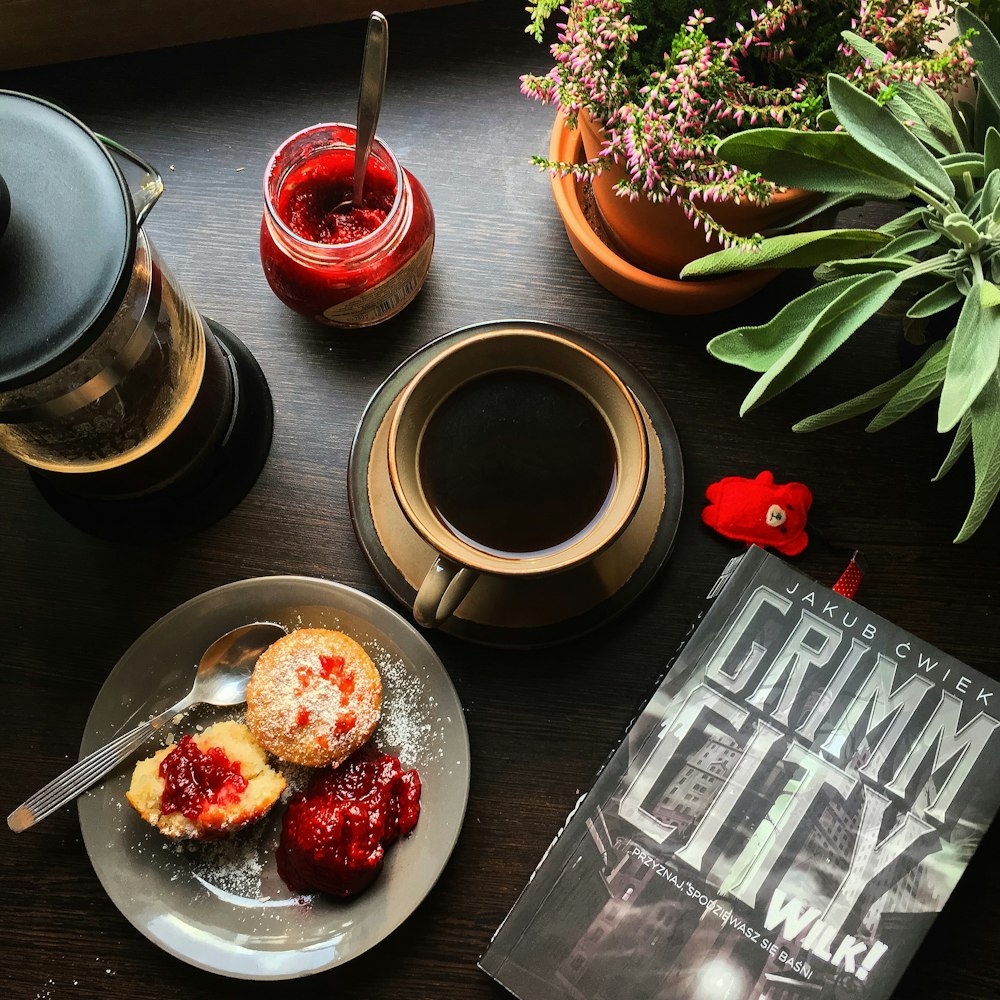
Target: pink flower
pixel 663 129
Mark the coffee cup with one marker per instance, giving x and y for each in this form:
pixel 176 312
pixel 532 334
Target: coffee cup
pixel 515 453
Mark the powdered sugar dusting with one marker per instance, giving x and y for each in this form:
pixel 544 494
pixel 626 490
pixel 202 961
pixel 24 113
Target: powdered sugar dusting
pixel 243 866
pixel 406 728
pixel 297 777
pixel 233 865
pixel 307 714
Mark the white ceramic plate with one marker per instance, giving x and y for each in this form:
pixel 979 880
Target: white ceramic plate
pixel 222 906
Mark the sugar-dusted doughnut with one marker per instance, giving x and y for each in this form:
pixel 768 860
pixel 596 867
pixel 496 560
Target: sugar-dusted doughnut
pixel 315 697
pixel 206 785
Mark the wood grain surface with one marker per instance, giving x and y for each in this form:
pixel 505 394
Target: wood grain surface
pixel 540 722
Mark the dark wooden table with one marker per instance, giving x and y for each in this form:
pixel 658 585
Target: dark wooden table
pixel 540 722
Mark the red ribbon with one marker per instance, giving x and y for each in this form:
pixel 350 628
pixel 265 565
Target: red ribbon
pixel 850 579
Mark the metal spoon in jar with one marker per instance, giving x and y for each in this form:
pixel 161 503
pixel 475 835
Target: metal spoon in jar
pixel 221 680
pixel 372 87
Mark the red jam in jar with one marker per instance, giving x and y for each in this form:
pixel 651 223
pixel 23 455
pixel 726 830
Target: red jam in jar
pixel 310 195
pixel 333 837
pixel 351 268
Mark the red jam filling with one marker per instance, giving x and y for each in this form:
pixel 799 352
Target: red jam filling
pixel 311 192
pixel 333 837
pixel 346 721
pixel 333 666
pixel 193 779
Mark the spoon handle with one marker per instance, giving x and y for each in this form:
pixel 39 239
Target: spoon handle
pixel 78 778
pixel 373 68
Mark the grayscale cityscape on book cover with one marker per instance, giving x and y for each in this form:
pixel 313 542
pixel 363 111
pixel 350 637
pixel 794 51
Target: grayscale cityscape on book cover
pixel 784 820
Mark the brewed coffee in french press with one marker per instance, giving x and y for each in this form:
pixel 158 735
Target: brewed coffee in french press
pixel 135 414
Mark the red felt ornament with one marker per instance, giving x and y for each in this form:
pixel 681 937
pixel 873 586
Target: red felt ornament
pixel 760 511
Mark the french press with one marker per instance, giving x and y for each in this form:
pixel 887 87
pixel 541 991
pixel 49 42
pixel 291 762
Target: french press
pixel 134 413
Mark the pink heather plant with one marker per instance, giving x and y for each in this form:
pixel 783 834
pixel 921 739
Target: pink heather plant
pixel 664 113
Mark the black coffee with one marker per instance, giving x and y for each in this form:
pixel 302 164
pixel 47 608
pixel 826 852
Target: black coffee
pixel 517 462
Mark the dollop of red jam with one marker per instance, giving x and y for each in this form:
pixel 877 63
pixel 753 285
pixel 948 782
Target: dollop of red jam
pixel 311 192
pixel 346 721
pixel 334 836
pixel 193 779
pixel 334 666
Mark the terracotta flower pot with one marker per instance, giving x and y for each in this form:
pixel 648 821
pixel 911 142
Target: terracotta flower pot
pixel 657 236
pixel 629 282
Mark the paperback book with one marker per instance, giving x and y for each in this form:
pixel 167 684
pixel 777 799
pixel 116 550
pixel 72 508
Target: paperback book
pixel 783 821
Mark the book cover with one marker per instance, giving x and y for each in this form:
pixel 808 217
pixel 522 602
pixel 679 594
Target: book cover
pixel 783 821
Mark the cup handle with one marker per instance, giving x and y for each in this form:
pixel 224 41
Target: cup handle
pixel 443 589
pixel 151 186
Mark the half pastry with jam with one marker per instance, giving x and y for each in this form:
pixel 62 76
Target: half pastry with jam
pixel 206 786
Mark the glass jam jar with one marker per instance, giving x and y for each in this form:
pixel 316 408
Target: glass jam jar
pixel 352 268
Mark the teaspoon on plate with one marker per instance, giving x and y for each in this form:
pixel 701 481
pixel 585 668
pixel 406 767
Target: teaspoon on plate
pixel 221 680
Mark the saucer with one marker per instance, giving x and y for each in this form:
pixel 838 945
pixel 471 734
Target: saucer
pixel 534 611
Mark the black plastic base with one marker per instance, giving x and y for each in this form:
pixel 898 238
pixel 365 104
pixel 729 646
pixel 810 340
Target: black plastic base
pixel 200 496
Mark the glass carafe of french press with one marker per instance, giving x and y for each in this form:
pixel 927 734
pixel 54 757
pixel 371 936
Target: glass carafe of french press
pixel 127 406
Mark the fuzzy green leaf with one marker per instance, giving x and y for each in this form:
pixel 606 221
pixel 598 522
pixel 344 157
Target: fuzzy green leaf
pixel 791 250
pixel 759 347
pixel 870 400
pixel 928 106
pixel 973 360
pixel 989 295
pixel 962 115
pixel 963 435
pixel 924 386
pixel 986 51
pixel 958 226
pixel 883 136
pixel 907 116
pixel 903 223
pixel 861 265
pixel 827 203
pixel 985 454
pixel 934 112
pixel 820 332
pixel 972 206
pixel 868 51
pixel 964 163
pixel 826 121
pixel 991 151
pixel 908 243
pixel 934 302
pixel 990 194
pixel 919 104
pixel 829 162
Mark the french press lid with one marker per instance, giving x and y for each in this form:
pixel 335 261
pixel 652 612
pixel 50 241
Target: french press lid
pixel 67 252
